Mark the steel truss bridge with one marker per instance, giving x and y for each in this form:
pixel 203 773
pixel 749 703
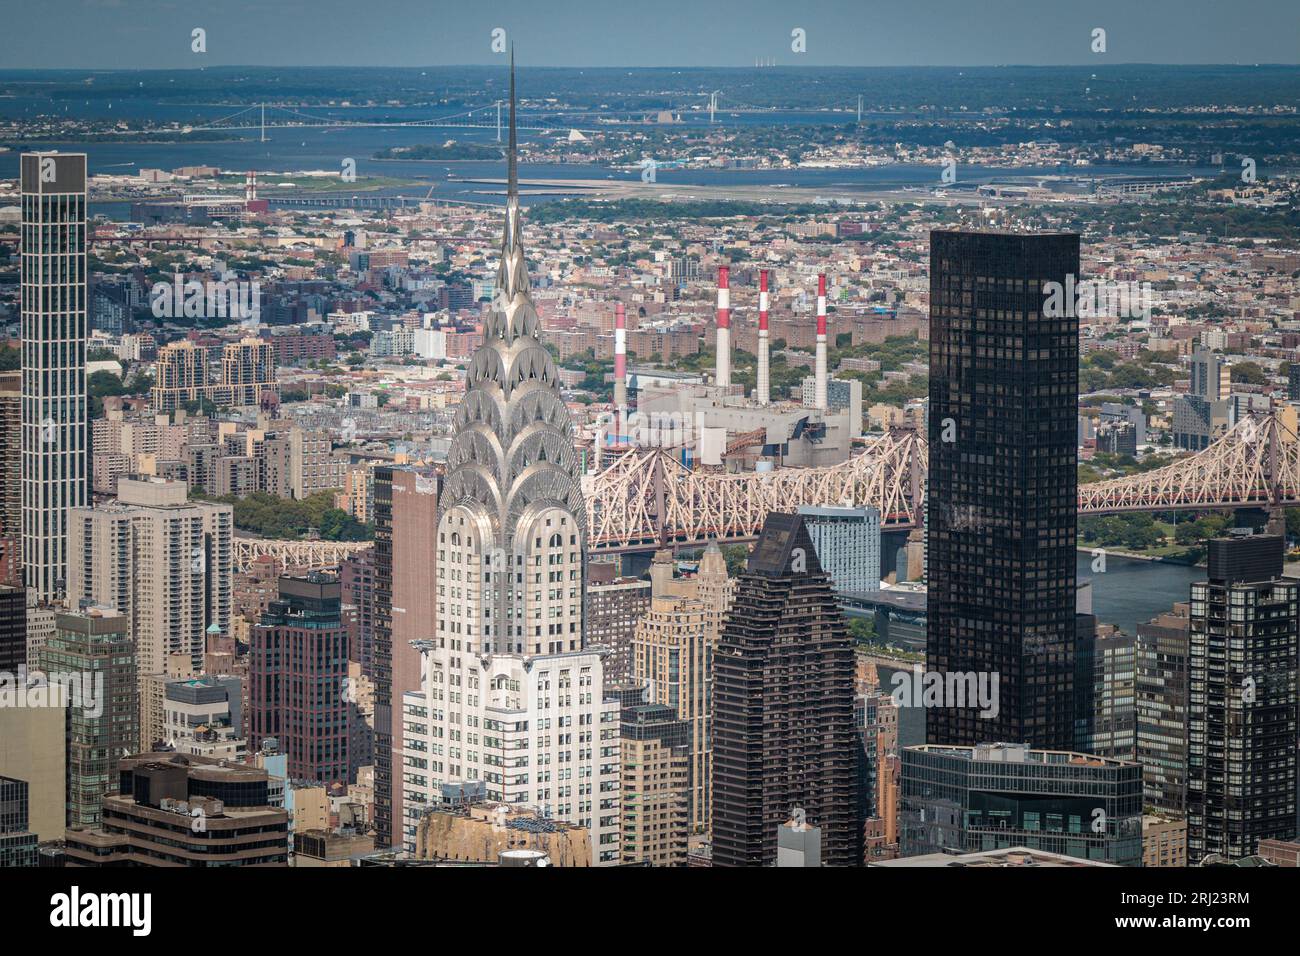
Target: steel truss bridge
pixel 1256 464
pixel 646 499
pixel 295 554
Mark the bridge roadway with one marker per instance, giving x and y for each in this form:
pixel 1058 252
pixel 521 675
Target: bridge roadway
pixel 646 499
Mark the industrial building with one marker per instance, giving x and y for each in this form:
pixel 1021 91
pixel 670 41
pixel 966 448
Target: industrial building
pixel 712 423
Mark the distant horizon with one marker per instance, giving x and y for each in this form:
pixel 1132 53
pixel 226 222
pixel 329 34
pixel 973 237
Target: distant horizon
pixel 521 67
pixel 670 34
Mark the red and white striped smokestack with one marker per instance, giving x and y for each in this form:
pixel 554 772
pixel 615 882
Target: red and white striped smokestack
pixel 620 374
pixel 724 327
pixel 819 390
pixel 250 186
pixel 763 383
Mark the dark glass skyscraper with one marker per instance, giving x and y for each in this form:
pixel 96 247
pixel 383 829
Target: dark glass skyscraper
pixel 1242 708
pixel 1003 488
pixel 1163 655
pixel 783 731
pixel 13 628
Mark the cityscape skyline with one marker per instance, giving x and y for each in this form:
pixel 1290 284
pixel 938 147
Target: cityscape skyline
pixel 519 467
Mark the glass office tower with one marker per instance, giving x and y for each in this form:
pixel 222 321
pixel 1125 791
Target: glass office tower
pixel 1003 488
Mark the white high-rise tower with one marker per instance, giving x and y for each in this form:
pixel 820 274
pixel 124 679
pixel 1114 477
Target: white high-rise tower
pixel 512 504
pixel 510 695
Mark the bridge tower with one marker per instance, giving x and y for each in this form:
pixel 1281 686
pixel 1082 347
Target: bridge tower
pixel 1275 465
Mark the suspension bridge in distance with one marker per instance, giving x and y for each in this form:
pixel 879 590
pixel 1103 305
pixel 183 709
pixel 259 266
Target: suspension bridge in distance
pixel 268 116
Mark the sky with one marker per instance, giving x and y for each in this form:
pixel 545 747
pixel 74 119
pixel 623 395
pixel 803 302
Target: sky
pixel 116 34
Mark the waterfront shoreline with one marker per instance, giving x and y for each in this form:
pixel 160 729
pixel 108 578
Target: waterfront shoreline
pixel 1181 561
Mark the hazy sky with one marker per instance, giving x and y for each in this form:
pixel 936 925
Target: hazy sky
pixel 86 34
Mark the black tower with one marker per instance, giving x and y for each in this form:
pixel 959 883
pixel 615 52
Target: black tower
pixel 1003 485
pixel 783 733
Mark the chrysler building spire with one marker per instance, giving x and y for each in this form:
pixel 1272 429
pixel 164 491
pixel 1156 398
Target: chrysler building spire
pixel 512 498
pixel 517 314
pixel 507 655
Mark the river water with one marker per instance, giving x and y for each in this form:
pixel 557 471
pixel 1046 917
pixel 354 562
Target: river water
pixel 1132 592
pixel 1129 593
pixel 294 149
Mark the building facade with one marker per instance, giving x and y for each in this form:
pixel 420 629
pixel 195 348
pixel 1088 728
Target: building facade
pixel 406 559
pixel 387 827
pixel 55 437
pixel 13 628
pixel 183 376
pixel 164 562
pixel 17 841
pixel 1105 693
pixel 298 672
pixel 11 477
pixel 994 796
pixel 614 609
pixel 357 583
pixel 34 749
pixel 1163 652
pixel 673 649
pixel 1164 841
pixel 656 765
pixel 506 661
pixel 783 708
pixel 536 731
pixel 848 545
pixel 1242 704
pixel 248 371
pixel 180 375
pixel 171 810
pixel 204 715
pixel 1004 394
pixel 102 724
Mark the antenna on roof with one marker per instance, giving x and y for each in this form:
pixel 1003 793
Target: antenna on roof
pixel 513 174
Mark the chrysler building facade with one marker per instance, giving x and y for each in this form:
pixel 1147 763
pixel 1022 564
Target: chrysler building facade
pixel 510 696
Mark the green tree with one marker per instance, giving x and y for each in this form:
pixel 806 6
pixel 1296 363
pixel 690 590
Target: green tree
pixel 1248 373
pixel 737 556
pixel 101 385
pixel 862 630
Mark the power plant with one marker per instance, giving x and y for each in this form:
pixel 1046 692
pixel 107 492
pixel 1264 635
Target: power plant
pixel 714 425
